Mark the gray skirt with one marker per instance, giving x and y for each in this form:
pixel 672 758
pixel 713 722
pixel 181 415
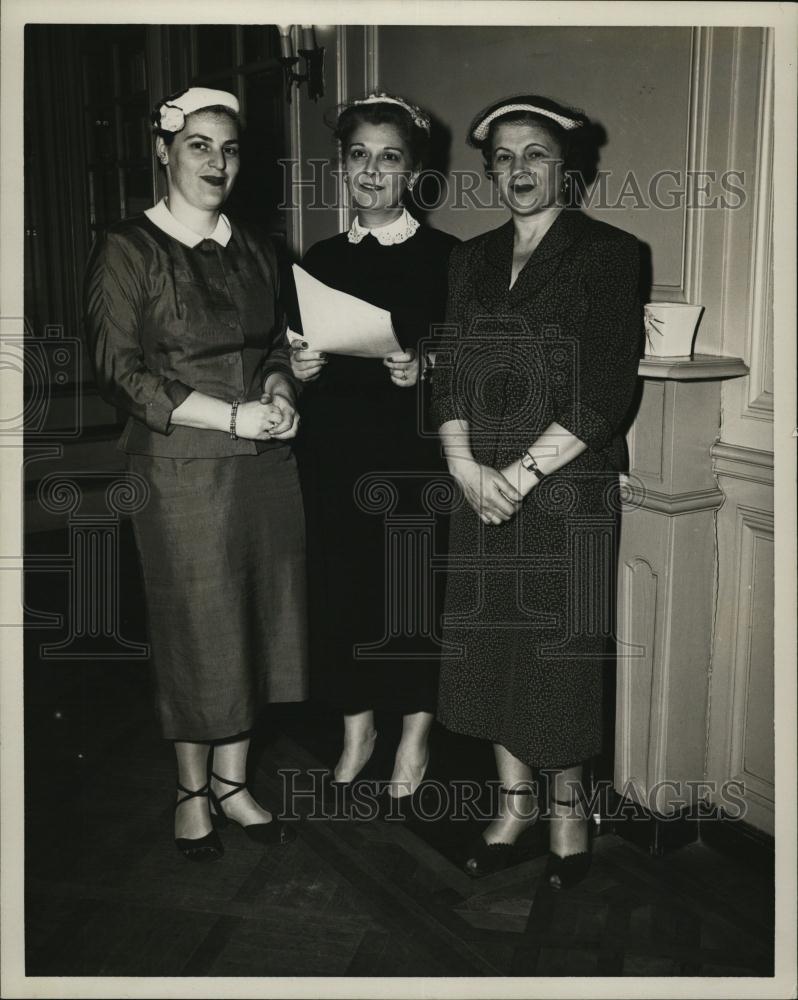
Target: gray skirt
pixel 222 548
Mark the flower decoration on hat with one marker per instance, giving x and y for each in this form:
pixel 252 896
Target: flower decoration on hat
pixel 170 118
pixel 171 113
pixel 419 116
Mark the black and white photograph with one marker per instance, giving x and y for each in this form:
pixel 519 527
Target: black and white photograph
pixel 398 425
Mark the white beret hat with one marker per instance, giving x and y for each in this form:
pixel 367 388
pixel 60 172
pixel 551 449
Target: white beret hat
pixel 170 115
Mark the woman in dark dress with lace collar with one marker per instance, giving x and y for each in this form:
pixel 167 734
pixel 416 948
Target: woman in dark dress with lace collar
pixel 362 417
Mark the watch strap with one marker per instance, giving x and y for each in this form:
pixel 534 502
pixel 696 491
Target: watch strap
pixel 530 464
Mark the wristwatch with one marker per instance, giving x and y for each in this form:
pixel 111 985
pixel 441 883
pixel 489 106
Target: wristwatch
pixel 529 463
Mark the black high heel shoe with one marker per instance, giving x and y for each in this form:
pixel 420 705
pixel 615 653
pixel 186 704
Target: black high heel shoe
pixel 486 859
pixel 202 849
pixel 566 872
pixel 272 832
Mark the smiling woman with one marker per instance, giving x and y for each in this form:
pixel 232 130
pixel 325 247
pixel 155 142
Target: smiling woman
pixel 360 417
pixel 185 331
pixel 530 410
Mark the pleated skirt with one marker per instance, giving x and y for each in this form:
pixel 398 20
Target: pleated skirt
pixel 222 549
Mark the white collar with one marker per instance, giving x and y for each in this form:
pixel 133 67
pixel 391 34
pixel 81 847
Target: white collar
pixel 163 219
pixel 398 231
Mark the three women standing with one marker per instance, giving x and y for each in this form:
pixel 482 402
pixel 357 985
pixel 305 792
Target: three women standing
pixel 186 334
pixel 361 417
pixel 187 337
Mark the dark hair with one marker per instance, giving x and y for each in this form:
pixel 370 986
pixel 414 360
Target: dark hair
pixel 570 142
pixel 214 109
pixel 416 138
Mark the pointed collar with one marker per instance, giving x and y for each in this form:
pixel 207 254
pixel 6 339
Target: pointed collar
pixel 491 286
pixel 398 231
pixel 567 227
pixel 164 220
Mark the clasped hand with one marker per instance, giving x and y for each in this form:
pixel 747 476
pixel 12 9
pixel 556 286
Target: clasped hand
pixel 273 416
pixel 489 492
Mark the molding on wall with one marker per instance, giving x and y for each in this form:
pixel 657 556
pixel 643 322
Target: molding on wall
pixel 750 464
pixel 700 84
pixel 342 92
pixel 692 368
pixel 689 287
pixel 293 218
pixel 341 83
pixel 759 402
pixel 639 583
pixel 754 526
pixel 744 526
pixel 372 57
pixel 648 461
pixel 673 504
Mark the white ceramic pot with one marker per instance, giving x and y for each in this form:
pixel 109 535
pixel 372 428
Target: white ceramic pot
pixel 670 328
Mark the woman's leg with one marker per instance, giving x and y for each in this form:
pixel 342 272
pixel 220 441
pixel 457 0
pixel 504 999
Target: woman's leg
pixel 568 829
pixel 193 818
pixel 412 754
pixel 516 812
pixel 230 761
pixel 359 737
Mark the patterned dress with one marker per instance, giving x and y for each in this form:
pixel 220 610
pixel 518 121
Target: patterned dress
pixel 529 603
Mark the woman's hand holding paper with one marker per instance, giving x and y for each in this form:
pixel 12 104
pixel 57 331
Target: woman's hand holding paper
pixel 403 368
pixel 306 365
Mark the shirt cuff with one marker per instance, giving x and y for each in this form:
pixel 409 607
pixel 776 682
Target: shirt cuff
pixel 588 425
pixel 158 415
pixel 443 410
pixel 280 367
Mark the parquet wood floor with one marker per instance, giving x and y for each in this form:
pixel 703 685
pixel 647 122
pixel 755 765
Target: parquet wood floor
pixel 108 895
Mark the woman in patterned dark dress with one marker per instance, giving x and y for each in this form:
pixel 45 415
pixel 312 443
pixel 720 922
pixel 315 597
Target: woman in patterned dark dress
pixel 541 375
pixel 361 417
pixel 186 336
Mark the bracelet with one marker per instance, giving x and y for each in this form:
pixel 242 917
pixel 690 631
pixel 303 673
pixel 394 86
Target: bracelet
pixel 530 464
pixel 233 412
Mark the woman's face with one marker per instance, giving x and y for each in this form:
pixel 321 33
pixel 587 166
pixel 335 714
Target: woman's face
pixel 526 165
pixel 202 162
pixel 378 166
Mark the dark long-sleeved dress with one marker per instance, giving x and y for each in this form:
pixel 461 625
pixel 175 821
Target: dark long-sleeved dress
pixel 530 601
pixel 362 441
pixel 220 529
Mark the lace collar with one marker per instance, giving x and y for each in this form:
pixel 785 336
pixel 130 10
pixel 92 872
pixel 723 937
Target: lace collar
pixel 398 231
pixel 163 219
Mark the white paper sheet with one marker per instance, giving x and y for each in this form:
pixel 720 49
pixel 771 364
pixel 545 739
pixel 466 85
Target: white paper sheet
pixel 338 323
